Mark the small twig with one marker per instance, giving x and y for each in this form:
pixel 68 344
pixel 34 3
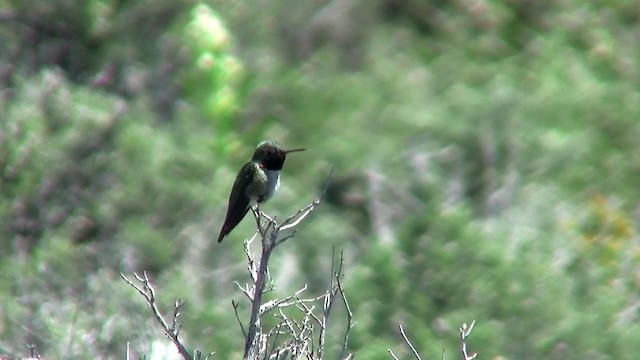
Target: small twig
pixel 326 307
pixel 329 298
pixel 258 290
pixel 275 331
pixel 299 303
pixel 392 354
pixel 290 324
pixel 33 351
pixel 350 324
pixel 147 290
pixel 235 310
pixel 406 340
pixel 251 263
pixel 256 216
pixel 248 292
pixel 281 303
pixel 296 219
pixel 464 333
pixel 176 311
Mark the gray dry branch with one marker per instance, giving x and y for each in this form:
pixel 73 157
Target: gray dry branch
pixel 465 330
pixel 305 336
pixel 145 287
pixel 464 333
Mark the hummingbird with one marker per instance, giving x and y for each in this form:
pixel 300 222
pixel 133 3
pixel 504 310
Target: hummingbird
pixel 256 182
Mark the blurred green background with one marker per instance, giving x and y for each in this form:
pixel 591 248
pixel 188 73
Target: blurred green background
pixel 485 154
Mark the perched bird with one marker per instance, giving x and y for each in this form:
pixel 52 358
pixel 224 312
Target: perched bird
pixel 256 182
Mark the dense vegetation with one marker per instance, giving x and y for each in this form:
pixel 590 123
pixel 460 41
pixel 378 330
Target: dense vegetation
pixel 485 158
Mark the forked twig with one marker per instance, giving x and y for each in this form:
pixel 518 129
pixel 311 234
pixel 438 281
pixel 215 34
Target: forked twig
pixel 464 333
pixel 235 310
pixel 147 290
pixel 350 323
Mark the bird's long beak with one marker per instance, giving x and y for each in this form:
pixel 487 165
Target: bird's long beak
pixel 294 150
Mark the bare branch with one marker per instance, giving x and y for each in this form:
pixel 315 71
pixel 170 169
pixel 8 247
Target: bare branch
pixel 251 264
pixel 246 290
pixel 406 340
pixel 235 310
pixel 269 235
pixel 464 333
pixel 296 219
pixel 33 351
pixel 392 354
pixel 258 290
pixel 147 290
pixel 284 302
pixel 349 324
pixel 329 298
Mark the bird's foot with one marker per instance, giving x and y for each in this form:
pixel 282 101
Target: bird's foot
pixel 259 215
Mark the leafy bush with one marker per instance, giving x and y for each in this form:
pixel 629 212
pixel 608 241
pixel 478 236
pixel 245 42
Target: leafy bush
pixel 483 154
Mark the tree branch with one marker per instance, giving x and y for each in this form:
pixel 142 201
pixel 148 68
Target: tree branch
pixel 464 333
pixel 147 290
pixel 301 333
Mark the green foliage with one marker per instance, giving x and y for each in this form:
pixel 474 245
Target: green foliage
pixel 484 159
pixel 213 75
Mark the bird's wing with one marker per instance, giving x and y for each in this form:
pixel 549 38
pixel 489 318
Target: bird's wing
pixel 238 201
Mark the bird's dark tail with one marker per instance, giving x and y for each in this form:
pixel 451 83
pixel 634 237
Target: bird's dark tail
pixel 223 233
pixel 232 220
